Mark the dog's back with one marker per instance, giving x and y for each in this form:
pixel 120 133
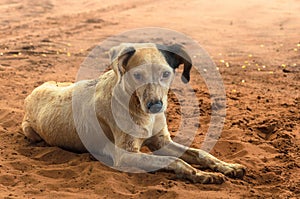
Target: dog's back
pixel 48 110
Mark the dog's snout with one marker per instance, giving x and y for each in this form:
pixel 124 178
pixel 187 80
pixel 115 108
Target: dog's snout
pixel 155 107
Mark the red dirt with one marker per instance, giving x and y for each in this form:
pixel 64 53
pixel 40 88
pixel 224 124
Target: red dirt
pixel 263 102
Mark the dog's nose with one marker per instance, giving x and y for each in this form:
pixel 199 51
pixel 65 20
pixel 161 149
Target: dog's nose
pixel 155 107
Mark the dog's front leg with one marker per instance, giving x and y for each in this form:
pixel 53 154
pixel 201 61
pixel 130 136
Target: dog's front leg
pixel 162 144
pixel 129 156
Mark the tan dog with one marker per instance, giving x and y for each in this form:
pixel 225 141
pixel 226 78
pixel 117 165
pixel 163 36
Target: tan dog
pixel 137 88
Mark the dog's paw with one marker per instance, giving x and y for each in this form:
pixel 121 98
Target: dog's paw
pixel 207 178
pixel 235 171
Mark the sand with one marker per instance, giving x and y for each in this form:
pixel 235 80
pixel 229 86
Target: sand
pixel 255 46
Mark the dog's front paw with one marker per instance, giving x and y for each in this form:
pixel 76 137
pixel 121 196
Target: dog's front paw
pixel 235 171
pixel 207 178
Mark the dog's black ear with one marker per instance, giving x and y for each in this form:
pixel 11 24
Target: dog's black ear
pixel 176 55
pixel 119 56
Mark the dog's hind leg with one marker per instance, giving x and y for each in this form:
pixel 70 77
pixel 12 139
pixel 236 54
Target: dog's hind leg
pixel 29 132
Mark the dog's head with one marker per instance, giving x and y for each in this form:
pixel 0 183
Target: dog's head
pixel 146 71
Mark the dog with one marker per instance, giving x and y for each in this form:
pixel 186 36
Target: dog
pixel 129 102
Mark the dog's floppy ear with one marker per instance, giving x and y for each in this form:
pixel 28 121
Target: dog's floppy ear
pixel 176 55
pixel 119 56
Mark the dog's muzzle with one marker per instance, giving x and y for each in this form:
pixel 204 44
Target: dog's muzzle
pixel 155 107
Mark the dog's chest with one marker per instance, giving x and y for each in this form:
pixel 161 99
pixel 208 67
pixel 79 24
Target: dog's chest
pixel 148 127
pixel 156 124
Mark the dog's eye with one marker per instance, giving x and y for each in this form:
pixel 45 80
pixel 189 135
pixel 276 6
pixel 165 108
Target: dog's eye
pixel 166 74
pixel 138 76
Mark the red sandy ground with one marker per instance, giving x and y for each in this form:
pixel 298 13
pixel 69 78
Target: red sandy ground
pixel 262 123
